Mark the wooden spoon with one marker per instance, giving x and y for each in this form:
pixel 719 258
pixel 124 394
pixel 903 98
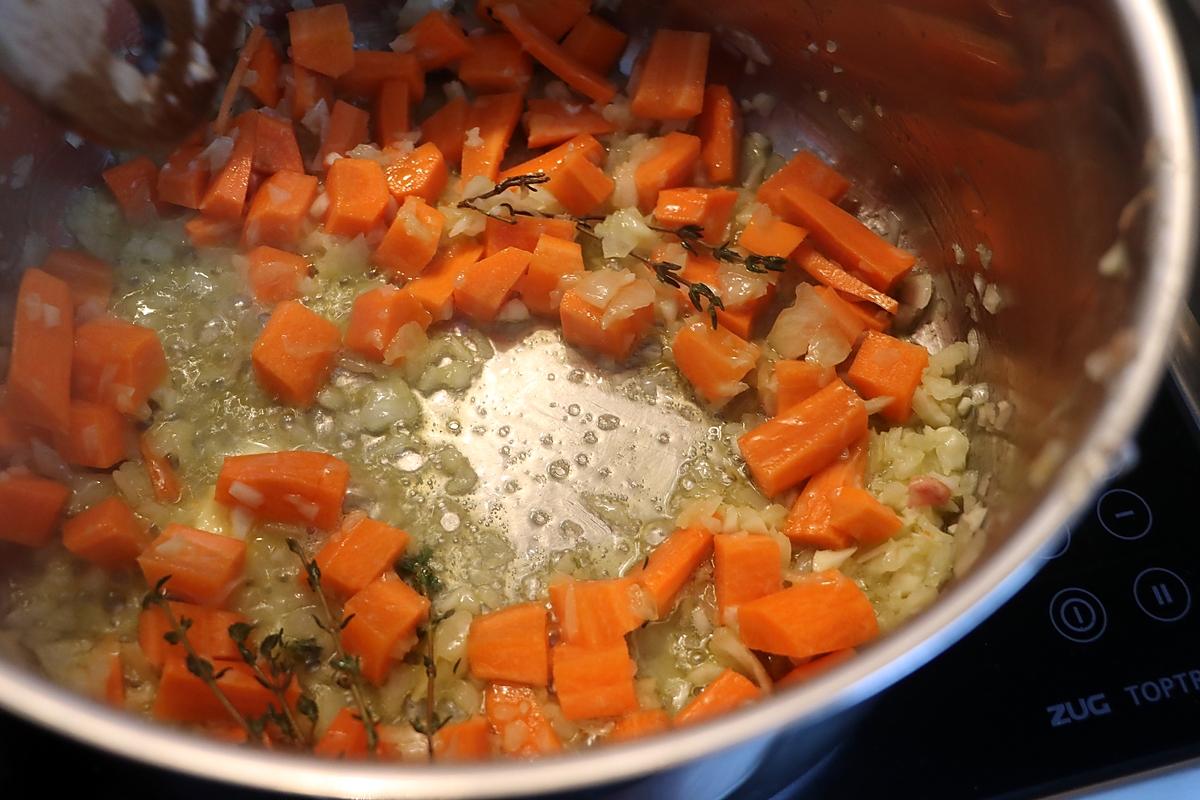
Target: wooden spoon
pixel 67 55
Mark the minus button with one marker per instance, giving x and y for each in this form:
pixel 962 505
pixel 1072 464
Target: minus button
pixel 1124 514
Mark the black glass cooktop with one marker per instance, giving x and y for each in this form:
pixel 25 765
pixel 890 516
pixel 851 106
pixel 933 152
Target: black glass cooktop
pixel 1090 673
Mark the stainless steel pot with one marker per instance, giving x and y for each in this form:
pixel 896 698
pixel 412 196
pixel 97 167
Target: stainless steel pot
pixel 1041 156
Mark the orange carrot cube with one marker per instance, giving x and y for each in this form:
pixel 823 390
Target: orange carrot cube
pixel 263 83
pixel 373 68
pixel 547 162
pixel 346 737
pixel 552 122
pixel 857 513
pixel 671 565
pixel 359 553
pixel 525 233
pixel 437 40
pixel 31 508
pixel 392 112
pixel 297 487
pixel 275 275
pixel 885 366
pixel 768 235
pixel 639 724
pixel 275 145
pixel 521 727
pixel 595 43
pixel 495 63
pixel 183 179
pixel 796 381
pixel 728 692
pixel 579 185
pixel 322 40
pixel 470 740
pixel 377 316
pixel 805 170
pixel 823 612
pixel 672 165
pixel 412 240
pixel 489 129
pixel 347 129
pixel 40 362
pixel 487 284
pixel 89 279
pixel 294 354
pixel 809 521
pixel 383 625
pixel 204 568
pixel 592 682
pixel 358 195
pixel 708 209
pixel 117 363
pixel 225 197
pixel 673 71
pixel 422 173
pixel 434 288
pixel 713 360
pixel 745 568
pixel 278 213
pixel 208 633
pixel 134 186
pixel 306 89
pixel 447 127
pixel 510 645
pixel 184 697
pixel 99 437
pixel 596 613
pixel 541 288
pixel 583 325
pixel 720 132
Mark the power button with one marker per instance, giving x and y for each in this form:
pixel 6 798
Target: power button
pixel 1078 615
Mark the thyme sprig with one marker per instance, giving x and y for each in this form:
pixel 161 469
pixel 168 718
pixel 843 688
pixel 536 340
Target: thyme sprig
pixel 417 571
pixel 346 666
pixel 282 657
pixel 201 667
pixel 666 272
pixel 691 237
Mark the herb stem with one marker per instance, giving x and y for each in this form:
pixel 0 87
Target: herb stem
pixel 291 723
pixel 341 662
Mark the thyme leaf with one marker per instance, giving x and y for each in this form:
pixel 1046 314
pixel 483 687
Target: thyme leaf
pixel 281 677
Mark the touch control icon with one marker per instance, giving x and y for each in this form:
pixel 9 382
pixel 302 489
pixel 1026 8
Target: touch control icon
pixel 1162 594
pixel 1078 615
pixel 1124 514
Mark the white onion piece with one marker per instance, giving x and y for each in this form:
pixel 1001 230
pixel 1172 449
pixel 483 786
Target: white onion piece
pixel 598 288
pixel 730 651
pixel 738 287
pixel 627 302
pixel 799 323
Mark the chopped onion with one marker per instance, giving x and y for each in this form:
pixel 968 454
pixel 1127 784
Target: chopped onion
pixel 513 311
pixel 628 301
pixel 831 559
pixel 599 287
pixel 728 649
pixel 246 494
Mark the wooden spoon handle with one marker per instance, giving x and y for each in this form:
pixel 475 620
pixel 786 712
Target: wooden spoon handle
pixel 61 52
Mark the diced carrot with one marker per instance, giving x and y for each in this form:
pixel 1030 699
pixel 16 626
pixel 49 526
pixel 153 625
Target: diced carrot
pixel 89 279
pixel 496 63
pixel 789 448
pixel 720 132
pixel 729 691
pixel 869 317
pixel 547 162
pixel 117 363
pixel 183 697
pixel 306 89
pixel 275 275
pixel 593 682
pixel 709 209
pixel 596 613
pixel 469 740
pixel 487 284
pixel 264 82
pixel 672 75
pixel 30 507
pixel 236 78
pixel 767 235
pixel 183 179
pixel 858 514
pixel 358 554
pixel 490 126
pixel 114 680
pixel 378 315
pixel 134 187
pixel 738 319
pixel 412 240
pixel 203 567
pixel 347 129
pixel 275 146
pixel 208 232
pixel 208 632
pixel 383 617
pixel 434 288
pixel 294 354
pixel 392 119
pixel 595 44
pixel 225 197
pixel 346 737
pixel 864 253
pixel 510 645
pixel 525 233
pixel 807 171
pixel 98 436
pixel 358 195
pixel 671 166
pixel 553 258
pixel 160 471
pixel 639 724
pixel 713 360
pixel 817 666
pixel 579 185
pixel 40 362
pixel 518 721
pixel 15 439
pixel 833 276
pixel 279 211
pixel 820 613
pixel 437 40
pixel 422 173
pixel 552 56
pixel 552 17
pixel 447 127
pixel 845 317
pixel 583 326
pixel 298 487
pixel 372 68
pixel 671 565
pixel 551 122
pixel 745 568
pixel 322 40
pixel 885 366
pixel 796 381
pixel 808 522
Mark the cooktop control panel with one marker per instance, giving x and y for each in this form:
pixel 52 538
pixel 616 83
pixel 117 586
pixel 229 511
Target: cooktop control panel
pixel 1091 672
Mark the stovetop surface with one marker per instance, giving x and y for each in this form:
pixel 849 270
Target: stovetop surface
pixel 1090 673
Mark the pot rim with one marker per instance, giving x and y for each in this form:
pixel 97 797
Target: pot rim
pixel 1156 55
